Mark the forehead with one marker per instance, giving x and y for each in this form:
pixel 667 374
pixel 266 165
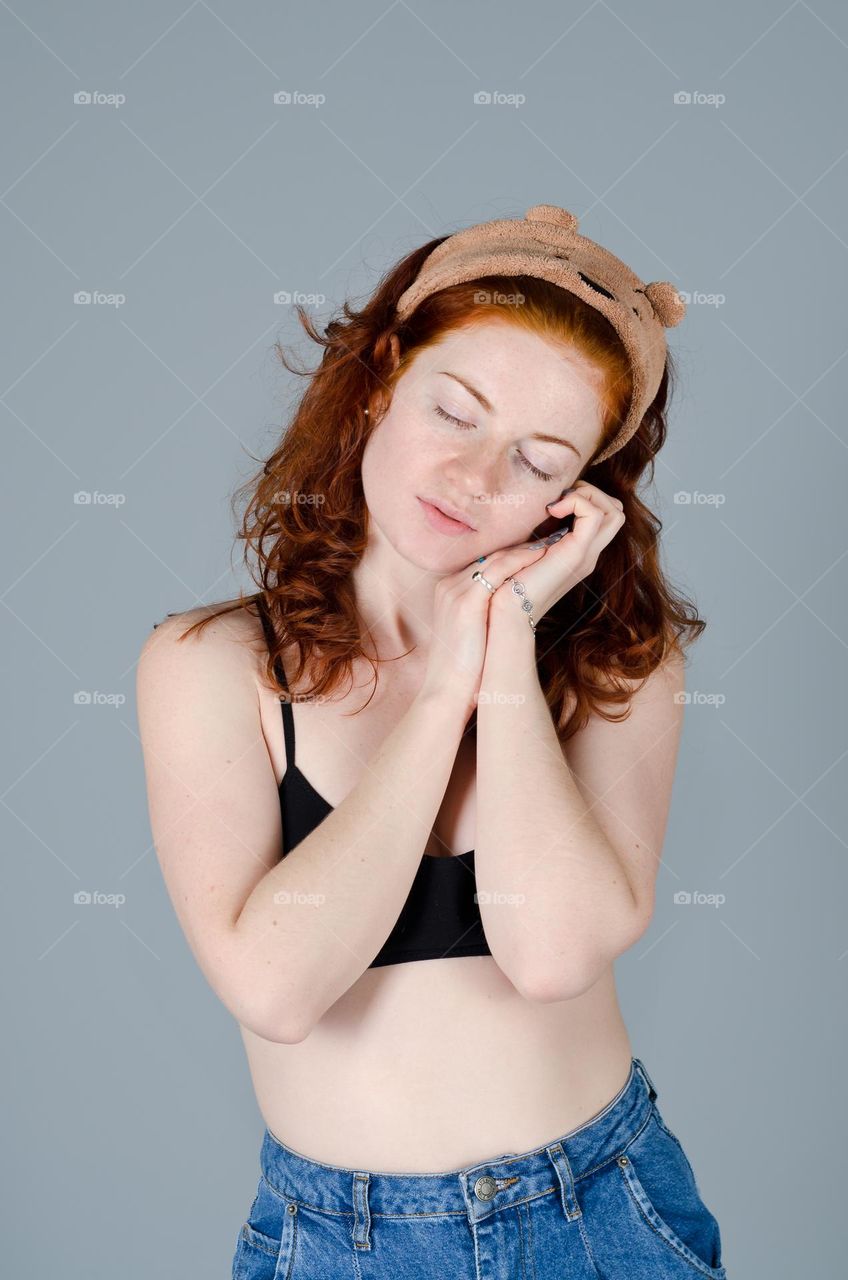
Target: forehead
pixel 516 370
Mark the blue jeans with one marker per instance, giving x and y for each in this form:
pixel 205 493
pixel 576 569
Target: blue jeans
pixel 615 1199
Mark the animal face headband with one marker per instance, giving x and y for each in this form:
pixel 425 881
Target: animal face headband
pixel 545 243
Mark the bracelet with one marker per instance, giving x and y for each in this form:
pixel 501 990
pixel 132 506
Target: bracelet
pixel 518 589
pixel 527 605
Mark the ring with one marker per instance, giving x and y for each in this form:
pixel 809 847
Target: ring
pixel 478 577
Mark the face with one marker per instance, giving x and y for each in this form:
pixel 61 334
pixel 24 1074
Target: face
pixel 481 457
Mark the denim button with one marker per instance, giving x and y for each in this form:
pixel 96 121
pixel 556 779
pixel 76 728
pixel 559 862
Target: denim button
pixel 485 1188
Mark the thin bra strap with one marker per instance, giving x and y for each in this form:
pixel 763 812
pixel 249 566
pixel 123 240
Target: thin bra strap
pixel 285 703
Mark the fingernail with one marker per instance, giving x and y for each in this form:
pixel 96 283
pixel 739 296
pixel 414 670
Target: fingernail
pixel 554 537
pixel 561 496
pixel 534 546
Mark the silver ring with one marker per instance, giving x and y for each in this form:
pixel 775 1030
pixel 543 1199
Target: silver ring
pixel 478 577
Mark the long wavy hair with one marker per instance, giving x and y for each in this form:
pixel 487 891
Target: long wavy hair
pixel 305 523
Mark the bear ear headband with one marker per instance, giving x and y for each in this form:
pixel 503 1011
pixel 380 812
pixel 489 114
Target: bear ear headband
pixel 545 243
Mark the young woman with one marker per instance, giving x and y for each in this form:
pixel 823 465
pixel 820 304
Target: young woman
pixel 409 798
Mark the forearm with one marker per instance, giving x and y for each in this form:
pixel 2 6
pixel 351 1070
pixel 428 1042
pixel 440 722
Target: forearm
pixel 314 923
pixel 555 900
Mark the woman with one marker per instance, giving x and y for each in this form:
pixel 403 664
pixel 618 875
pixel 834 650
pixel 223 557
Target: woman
pixel 414 920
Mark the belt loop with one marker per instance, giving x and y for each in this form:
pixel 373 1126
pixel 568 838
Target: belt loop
pixel 559 1159
pixel 652 1093
pixel 361 1212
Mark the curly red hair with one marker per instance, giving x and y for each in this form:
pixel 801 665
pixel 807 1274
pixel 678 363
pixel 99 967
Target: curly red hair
pixel 612 629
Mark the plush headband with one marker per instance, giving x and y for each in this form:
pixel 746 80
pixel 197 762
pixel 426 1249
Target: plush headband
pixel 545 243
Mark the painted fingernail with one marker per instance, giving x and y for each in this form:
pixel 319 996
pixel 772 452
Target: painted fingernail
pixel 534 546
pixel 554 537
pixel 560 498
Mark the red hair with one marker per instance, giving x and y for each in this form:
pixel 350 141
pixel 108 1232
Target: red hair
pixel 306 518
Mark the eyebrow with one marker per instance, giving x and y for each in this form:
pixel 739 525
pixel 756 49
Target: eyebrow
pixel 490 408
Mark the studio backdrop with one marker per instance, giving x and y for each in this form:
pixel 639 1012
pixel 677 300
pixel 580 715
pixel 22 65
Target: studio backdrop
pixel 176 178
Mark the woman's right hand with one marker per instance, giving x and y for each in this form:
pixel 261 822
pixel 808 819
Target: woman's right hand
pixel 461 620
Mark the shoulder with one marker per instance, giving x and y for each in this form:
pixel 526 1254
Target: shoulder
pixel 225 651
pixel 657 698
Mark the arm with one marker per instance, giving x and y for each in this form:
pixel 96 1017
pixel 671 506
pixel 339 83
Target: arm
pixel 278 941
pixel 574 829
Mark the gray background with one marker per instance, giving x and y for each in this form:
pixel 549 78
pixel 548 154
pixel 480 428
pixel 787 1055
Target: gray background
pixel 132 1136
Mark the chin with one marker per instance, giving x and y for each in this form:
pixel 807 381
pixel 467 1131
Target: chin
pixel 429 556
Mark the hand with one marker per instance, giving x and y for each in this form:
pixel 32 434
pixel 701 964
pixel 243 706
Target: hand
pixel 597 519
pixel 461 621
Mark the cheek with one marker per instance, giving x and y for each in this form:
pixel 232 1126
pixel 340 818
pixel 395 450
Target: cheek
pixel 392 467
pixel 398 452
pixel 514 517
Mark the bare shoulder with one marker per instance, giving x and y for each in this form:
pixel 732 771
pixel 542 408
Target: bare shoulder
pixel 660 695
pixel 223 632
pixel 227 648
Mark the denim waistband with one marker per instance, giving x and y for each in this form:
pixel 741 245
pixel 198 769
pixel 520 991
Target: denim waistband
pixel 476 1190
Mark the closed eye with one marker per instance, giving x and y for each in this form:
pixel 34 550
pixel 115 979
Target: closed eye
pixel 469 426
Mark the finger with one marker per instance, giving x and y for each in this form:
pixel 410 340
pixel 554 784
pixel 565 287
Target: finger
pixel 497 567
pixel 589 493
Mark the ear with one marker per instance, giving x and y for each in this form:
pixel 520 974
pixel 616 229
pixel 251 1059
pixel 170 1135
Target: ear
pixel 394 343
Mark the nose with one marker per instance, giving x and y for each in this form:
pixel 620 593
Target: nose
pixel 473 480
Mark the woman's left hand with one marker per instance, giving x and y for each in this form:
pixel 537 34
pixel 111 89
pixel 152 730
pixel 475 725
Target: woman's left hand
pixel 597 519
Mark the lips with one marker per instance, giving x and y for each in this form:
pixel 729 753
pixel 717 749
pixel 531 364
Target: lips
pixel 447 509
